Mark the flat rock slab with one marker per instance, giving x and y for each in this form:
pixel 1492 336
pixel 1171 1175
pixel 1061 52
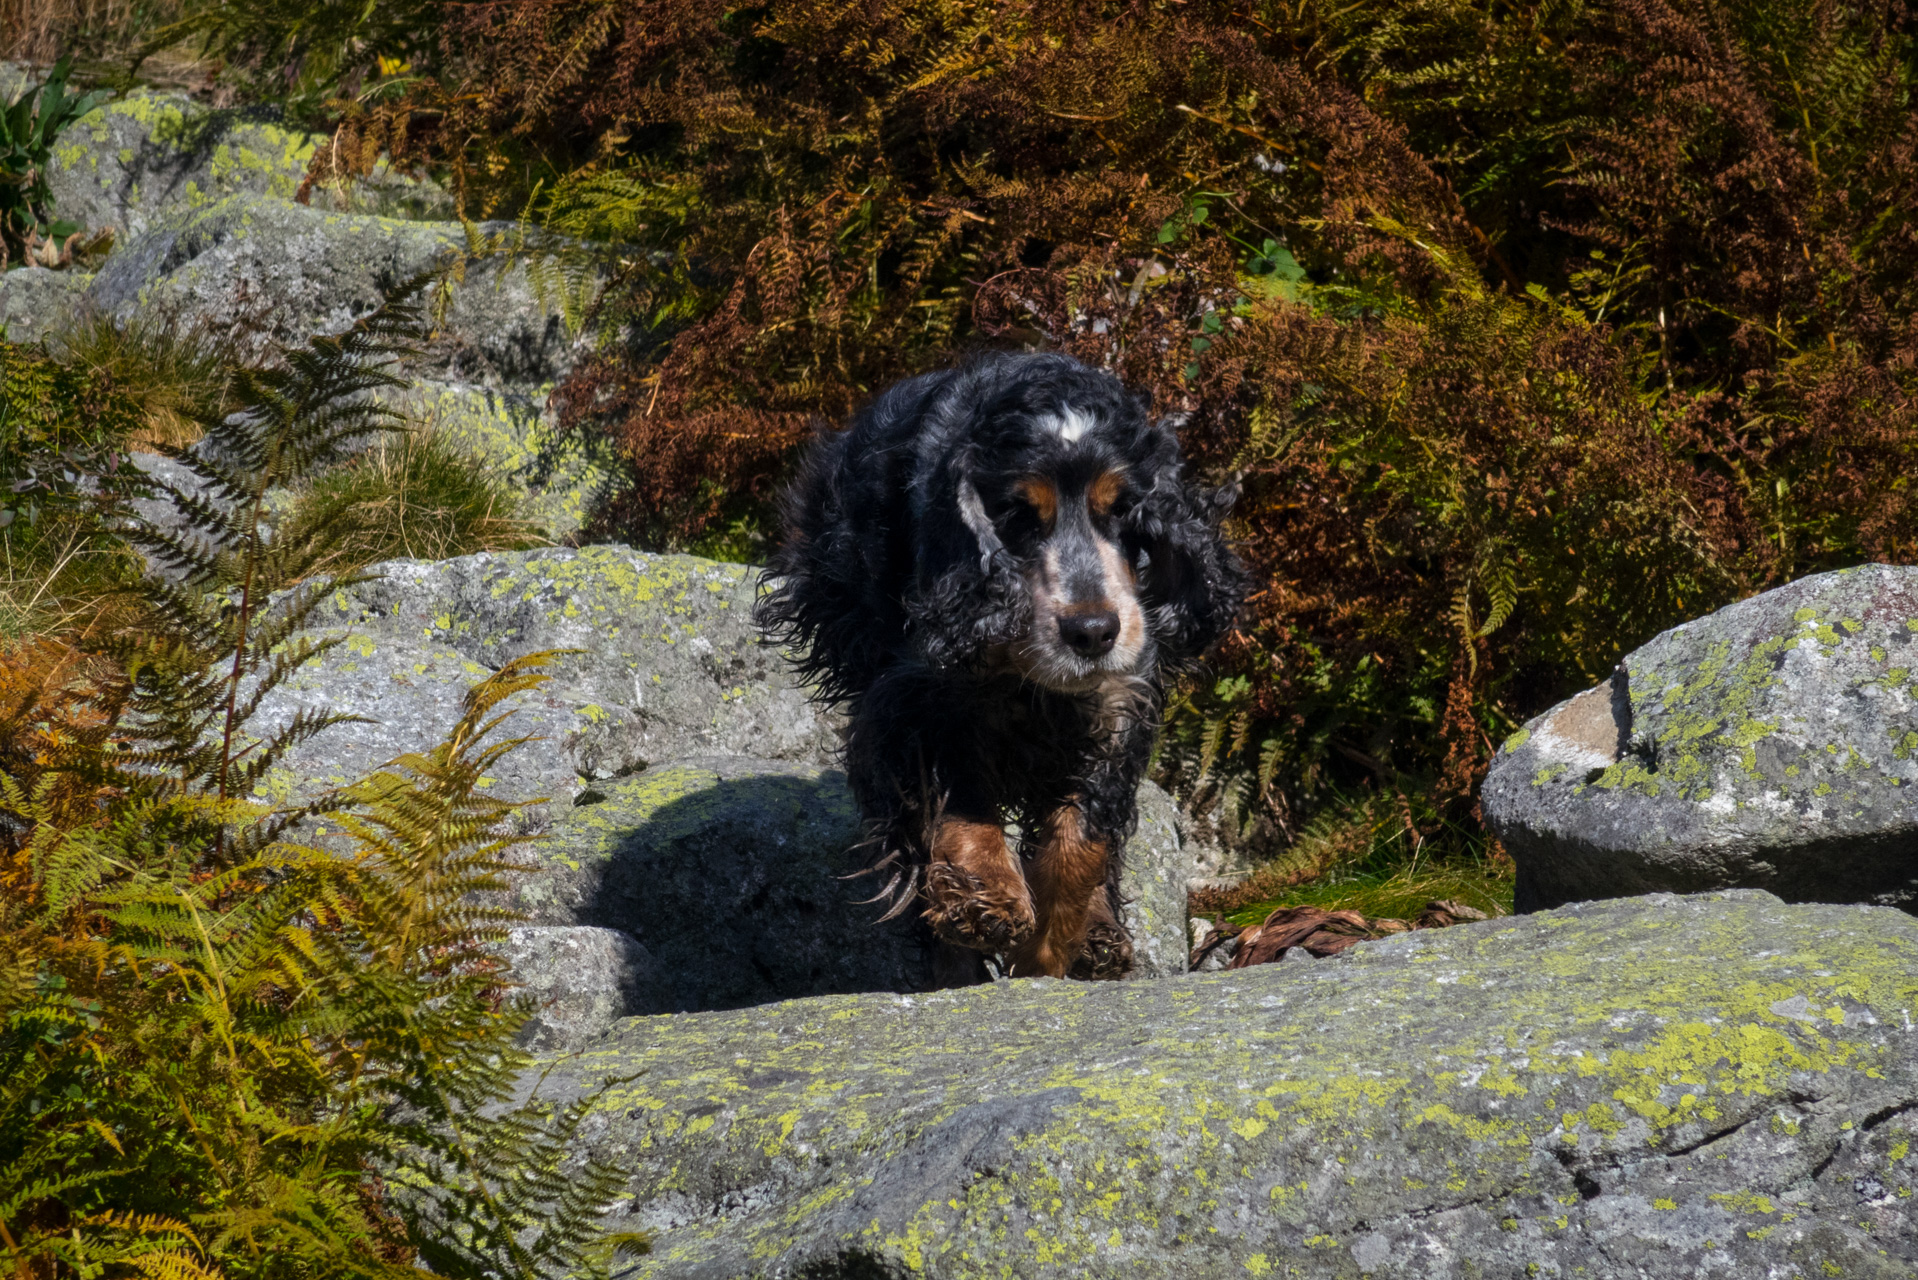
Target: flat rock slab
pixel 669 666
pixel 1773 744
pixel 1664 1086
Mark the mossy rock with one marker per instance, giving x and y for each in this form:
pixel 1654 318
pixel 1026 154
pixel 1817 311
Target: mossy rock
pixel 263 264
pixel 1657 1087
pixel 668 665
pixel 560 479
pixel 139 159
pixel 1773 744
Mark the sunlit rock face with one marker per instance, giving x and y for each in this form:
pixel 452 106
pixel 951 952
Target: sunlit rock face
pixel 1773 744
pixel 1664 1086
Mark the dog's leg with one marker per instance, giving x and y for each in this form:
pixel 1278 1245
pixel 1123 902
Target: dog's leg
pixel 975 894
pixel 1108 947
pixel 1070 865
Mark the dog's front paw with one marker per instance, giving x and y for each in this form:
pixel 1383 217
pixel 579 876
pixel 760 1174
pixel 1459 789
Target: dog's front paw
pixel 1107 954
pixel 963 909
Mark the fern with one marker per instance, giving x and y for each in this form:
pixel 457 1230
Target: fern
pixel 223 1052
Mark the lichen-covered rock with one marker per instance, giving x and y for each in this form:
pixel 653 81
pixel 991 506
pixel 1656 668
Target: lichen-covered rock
pixel 732 873
pixel 742 878
pixel 1658 1087
pixel 134 161
pixel 582 979
pixel 509 433
pixel 668 665
pixel 1773 744
pixel 255 263
pixel 35 301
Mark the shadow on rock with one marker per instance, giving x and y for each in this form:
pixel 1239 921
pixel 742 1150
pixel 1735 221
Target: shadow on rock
pixel 733 874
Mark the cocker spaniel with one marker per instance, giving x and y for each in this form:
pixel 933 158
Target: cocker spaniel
pixel 994 569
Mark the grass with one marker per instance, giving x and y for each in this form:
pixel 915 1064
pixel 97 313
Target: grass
pixel 1375 854
pixel 412 495
pixel 62 576
pixel 180 377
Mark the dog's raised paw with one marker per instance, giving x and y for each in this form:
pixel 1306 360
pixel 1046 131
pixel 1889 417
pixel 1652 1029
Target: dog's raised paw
pixel 963 909
pixel 1107 954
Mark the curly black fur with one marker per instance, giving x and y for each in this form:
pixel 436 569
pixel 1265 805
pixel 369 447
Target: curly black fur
pixel 905 586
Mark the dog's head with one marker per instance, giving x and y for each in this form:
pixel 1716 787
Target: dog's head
pixel 1059 534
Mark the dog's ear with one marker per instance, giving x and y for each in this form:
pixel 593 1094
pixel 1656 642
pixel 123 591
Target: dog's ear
pixel 966 592
pixel 1190 581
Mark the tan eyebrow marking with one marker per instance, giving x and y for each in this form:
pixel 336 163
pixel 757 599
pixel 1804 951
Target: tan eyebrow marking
pixel 1041 495
pixel 1105 491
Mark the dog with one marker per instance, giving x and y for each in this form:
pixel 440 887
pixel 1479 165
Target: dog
pixel 994 570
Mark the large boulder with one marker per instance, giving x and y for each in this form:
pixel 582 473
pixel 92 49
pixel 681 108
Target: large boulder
pixel 690 796
pixel 667 664
pixel 133 162
pixel 1659 1087
pixel 744 882
pixel 262 264
pixel 1773 744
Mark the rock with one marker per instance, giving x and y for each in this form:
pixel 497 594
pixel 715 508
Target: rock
pixel 583 979
pixel 35 301
pixel 559 479
pixel 1659 1087
pixel 1158 862
pixel 732 873
pixel 133 162
pixel 262 264
pixel 742 878
pixel 669 666
pixel 1773 744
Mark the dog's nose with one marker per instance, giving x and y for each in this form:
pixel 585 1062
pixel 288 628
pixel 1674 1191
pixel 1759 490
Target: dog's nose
pixel 1090 635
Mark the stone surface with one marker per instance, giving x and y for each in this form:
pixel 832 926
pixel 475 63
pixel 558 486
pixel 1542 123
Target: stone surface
pixel 131 163
pixel 583 979
pixel 35 302
pixel 1719 1085
pixel 262 264
pixel 1773 744
pixel 730 872
pixel 1159 860
pixel 669 666
pixel 742 879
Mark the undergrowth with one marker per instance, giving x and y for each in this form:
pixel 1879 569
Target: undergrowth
pixel 180 377
pixel 225 1052
pixel 412 494
pixel 1528 332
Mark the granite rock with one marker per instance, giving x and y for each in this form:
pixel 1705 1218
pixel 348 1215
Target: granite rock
pixel 581 979
pixel 1659 1087
pixel 743 879
pixel 1772 744
pixel 36 302
pixel 667 665
pixel 264 265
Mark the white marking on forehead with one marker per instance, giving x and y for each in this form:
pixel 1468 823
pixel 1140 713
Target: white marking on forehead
pixel 1068 424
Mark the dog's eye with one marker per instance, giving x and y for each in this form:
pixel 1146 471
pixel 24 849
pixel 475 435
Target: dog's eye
pixel 1108 494
pixel 1041 495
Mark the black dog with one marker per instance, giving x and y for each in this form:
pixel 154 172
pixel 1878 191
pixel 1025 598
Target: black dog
pixel 994 568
